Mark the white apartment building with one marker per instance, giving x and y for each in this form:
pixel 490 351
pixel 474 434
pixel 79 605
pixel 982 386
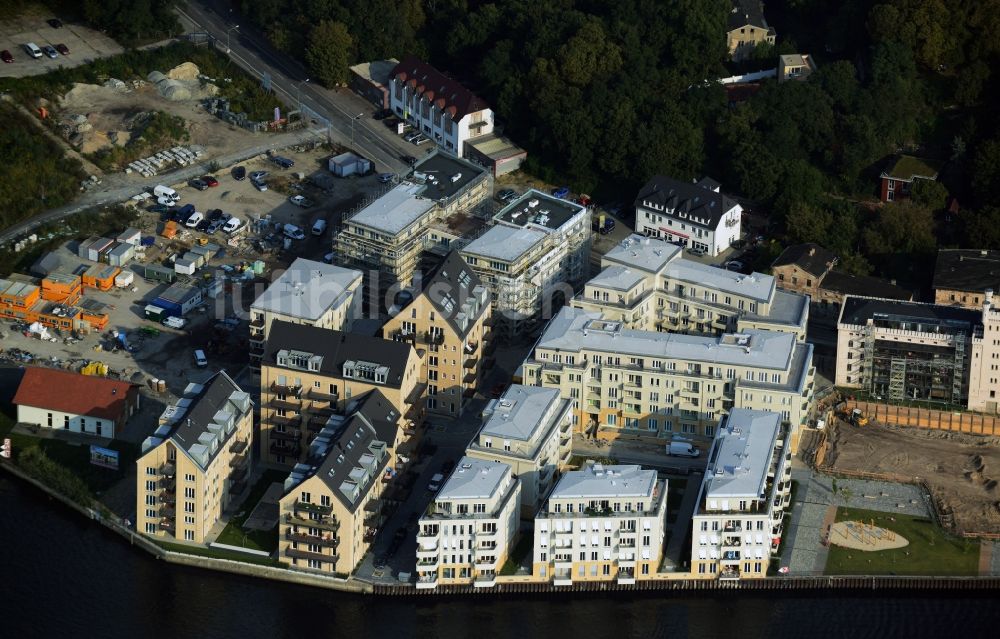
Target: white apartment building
pixel 668 384
pixel 737 521
pixel 530 429
pixel 430 209
pixel 437 106
pixel 942 355
pixel 467 532
pixel 533 259
pixel 308 292
pixel 647 284
pixel 693 215
pixel 601 523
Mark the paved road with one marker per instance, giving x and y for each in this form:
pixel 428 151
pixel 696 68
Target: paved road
pixel 249 49
pixel 116 193
pixel 639 453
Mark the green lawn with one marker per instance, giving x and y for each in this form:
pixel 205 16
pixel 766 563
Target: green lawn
pixel 234 535
pixel 201 551
pixel 930 552
pixel 521 550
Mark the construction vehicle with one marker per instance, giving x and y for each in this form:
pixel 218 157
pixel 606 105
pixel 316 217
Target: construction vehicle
pixel 858 418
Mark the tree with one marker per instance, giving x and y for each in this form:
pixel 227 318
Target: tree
pixel 901 228
pixel 329 52
pixel 588 55
pixel 986 171
pixel 982 228
pixel 929 193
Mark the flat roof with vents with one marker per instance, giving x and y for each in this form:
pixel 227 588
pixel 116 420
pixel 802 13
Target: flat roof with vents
pixel 597 481
pixel 474 479
pixel 444 176
pixel 520 412
pixel 741 455
pixel 540 210
pixel 308 289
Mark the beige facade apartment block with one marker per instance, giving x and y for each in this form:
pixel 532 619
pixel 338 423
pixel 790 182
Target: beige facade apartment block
pixel 668 385
pixel 448 320
pixel 467 532
pixel 309 374
pixel 530 429
pixel 197 462
pixel 738 519
pixel 601 523
pixel 333 505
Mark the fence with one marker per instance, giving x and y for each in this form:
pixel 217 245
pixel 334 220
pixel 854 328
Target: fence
pixel 961 422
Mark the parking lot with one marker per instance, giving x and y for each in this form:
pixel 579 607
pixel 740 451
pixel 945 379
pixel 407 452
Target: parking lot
pixel 84 44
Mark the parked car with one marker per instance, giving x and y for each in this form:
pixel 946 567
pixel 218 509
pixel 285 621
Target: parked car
pixel 62 48
pixel 239 173
pixel 32 49
pixel 421 139
pixel 203 225
pixel 409 159
pixel 50 51
pixel 507 195
pixel 232 225
pixel 735 265
pixel 435 484
pixel 694 250
pixel 385 178
pixel 411 136
pixel 258 175
pixel 606 227
pixel 561 192
pixel 319 227
pixel 329 258
pixel 300 200
pixel 210 180
pixel 6 56
pixel 284 163
pixel 201 185
pixel 194 220
pixel 159 209
pixel 293 232
pixel 200 359
pixel 55 23
pixel 259 185
pixel 214 226
pixel 215 215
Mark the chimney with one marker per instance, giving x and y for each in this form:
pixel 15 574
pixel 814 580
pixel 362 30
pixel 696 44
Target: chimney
pixel 812 251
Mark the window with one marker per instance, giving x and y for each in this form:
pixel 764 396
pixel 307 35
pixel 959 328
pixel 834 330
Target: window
pixel 189 535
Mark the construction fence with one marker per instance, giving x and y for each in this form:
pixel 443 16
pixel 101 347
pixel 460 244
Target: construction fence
pixel 959 422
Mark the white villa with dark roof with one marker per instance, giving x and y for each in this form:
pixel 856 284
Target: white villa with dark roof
pixel 737 522
pixel 466 534
pixel 692 215
pixel 647 283
pixel 601 523
pixel 530 429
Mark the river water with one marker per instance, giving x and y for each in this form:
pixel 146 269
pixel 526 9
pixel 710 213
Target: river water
pixel 65 576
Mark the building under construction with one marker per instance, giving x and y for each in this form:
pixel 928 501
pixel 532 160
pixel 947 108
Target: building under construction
pixel 909 351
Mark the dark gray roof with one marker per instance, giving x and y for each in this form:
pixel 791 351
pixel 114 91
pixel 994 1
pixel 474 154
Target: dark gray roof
pixel 212 399
pixel 863 285
pixel 858 310
pixel 449 287
pixel 370 418
pixel 443 168
pixel 810 257
pixel 696 199
pixel 972 270
pixel 747 12
pixel 337 347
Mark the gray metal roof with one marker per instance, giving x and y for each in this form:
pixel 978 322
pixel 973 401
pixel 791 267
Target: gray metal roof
pixel 503 242
pixel 786 308
pixel 597 481
pixel 574 330
pixel 645 253
pixel 307 290
pixel 521 412
pixel 205 418
pixel 741 455
pixel 400 207
pixel 456 291
pixel 474 479
pixel 619 278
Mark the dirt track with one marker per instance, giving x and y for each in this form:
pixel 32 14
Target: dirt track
pixel 962 471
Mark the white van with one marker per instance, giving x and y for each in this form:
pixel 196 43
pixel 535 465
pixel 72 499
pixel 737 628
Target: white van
pixel 166 192
pixel 682 449
pixel 195 219
pixel 319 227
pixel 32 49
pixel 200 359
pixel 232 225
pixel 293 232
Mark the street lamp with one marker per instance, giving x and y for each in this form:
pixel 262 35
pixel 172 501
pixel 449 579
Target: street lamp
pixel 353 120
pixel 298 94
pixel 228 32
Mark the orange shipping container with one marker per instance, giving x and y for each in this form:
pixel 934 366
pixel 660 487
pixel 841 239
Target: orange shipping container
pixel 62 287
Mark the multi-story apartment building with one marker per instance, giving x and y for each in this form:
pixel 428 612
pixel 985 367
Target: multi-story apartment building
pixel 946 355
pixel 530 429
pixel 665 384
pixel 647 284
pixel 308 374
pixel 746 28
pixel 533 259
pixel 693 215
pixel 737 520
pixel 601 523
pixel 467 532
pixel 196 463
pixel 332 505
pixel 437 106
pixel 430 209
pixel 448 319
pixel 309 293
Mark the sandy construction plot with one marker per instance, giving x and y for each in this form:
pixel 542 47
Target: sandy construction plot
pixel 961 471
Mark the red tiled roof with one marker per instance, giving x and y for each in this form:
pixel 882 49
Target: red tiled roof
pixel 72 393
pixel 434 85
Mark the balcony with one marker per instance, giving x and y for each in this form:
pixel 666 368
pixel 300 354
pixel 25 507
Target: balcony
pixel 485 581
pixel 292 435
pixel 166 524
pixel 167 511
pixel 417 394
pixel 166 497
pixel 401 335
pixel 471 362
pixel 167 483
pixel 238 446
pixel 321 524
pixel 320 396
pixel 427 581
pixel 470 377
pixel 280 389
pixel 282 420
pixel 563 578
pixel 329 541
pixel 167 470
pixel 315 556
pixel 431 337
pixel 284 404
pixel 312 508
pixel 285 448
pixel 626 577
pixel 237 487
